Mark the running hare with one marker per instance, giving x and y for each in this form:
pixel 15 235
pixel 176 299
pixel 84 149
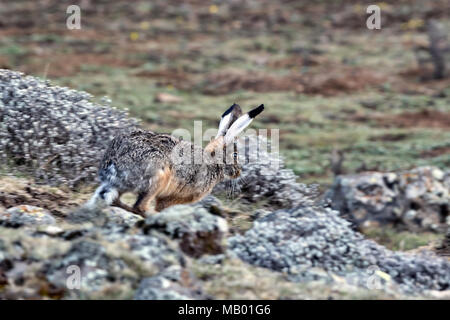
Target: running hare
pixel 154 165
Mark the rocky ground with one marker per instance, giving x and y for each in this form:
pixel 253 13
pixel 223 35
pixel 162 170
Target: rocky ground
pixel 417 199
pixel 358 114
pixel 199 251
pixel 188 252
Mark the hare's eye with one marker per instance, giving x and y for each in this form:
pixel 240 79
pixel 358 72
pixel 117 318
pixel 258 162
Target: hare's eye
pixel 213 154
pixel 235 155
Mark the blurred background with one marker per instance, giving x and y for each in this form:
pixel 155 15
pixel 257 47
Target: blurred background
pixel 346 98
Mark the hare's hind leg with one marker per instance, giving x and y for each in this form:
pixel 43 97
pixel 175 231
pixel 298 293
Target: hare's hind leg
pixel 144 198
pixel 106 195
pixel 162 204
pixel 143 201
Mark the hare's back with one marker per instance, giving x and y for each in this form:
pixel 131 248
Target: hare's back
pixel 139 145
pixel 135 157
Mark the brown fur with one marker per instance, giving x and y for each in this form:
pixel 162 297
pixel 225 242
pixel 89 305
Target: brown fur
pixel 166 169
pixel 168 192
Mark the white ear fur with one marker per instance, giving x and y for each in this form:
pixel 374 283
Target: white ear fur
pixel 223 125
pixel 237 127
pixel 225 121
pixel 241 123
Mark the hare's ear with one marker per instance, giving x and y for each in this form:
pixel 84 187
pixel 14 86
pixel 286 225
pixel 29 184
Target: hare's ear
pixel 228 117
pixel 240 124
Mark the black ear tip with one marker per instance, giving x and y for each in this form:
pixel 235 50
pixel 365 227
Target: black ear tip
pixel 253 113
pixel 229 110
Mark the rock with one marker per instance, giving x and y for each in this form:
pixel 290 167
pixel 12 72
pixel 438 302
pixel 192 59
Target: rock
pixel 173 283
pixel 307 244
pixel 109 215
pixel 198 231
pixel 26 215
pixel 122 217
pixel 298 240
pixel 212 204
pixel 50 230
pixel 95 267
pixel 83 215
pixel 236 280
pixel 113 264
pixel 59 134
pixel 109 260
pixel 417 199
pixel 212 259
pixel 259 213
pixel 23 252
pixel 161 288
pixel 153 250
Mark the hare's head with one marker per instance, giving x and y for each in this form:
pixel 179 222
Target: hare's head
pixel 223 149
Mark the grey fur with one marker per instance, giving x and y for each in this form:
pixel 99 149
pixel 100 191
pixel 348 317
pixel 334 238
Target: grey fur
pixel 143 161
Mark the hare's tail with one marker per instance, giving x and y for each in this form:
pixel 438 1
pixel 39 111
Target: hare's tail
pixel 103 196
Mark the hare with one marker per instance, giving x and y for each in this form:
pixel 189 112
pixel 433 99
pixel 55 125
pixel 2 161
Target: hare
pixel 166 169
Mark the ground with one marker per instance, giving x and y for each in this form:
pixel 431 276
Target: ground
pixel 328 83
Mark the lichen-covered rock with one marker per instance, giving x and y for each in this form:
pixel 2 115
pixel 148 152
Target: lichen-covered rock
pixel 160 288
pixel 212 259
pixel 57 132
pixel 174 283
pixel 265 177
pixel 93 262
pixel 122 217
pixel 296 240
pixel 25 215
pixel 153 250
pixel 212 204
pixel 85 215
pixel 198 231
pixel 116 259
pixel 310 245
pixel 110 258
pixel 109 215
pixel 22 256
pixel 418 199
